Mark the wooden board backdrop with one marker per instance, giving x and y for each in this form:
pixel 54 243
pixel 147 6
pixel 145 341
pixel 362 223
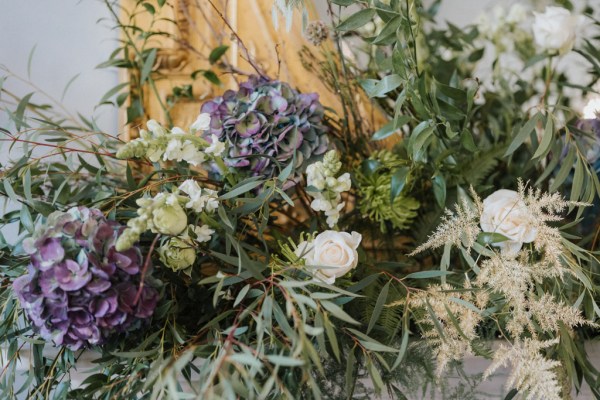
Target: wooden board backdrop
pixel 203 25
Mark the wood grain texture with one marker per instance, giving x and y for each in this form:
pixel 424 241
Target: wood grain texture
pixel 202 25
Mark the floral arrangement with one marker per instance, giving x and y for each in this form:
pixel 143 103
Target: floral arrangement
pixel 276 249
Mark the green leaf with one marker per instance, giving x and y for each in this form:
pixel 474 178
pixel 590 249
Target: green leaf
pixel 245 359
pixel 544 146
pixel 20 111
pixel 217 53
pixel 113 91
pixel 148 65
pixel 379 306
pixel 398 182
pixel 240 189
pixel 29 60
pixel 27 185
pixel 26 220
pixel 284 361
pixel 388 30
pixel 486 238
pixel 161 2
pixel 565 169
pixel 241 295
pixel 212 77
pixel 385 131
pixel 439 190
pixel 523 134
pixel 149 7
pixel 510 395
pixel 344 3
pixel 382 87
pixel 357 20
pixel 337 312
pixel 10 191
pixel 68 85
pixel 428 274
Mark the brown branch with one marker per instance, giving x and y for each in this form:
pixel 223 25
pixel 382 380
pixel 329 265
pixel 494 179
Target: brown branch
pixel 145 270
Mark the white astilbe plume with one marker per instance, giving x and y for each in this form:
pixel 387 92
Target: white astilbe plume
pixel 531 372
pixel 460 227
pixel 544 208
pixel 449 334
pixel 548 313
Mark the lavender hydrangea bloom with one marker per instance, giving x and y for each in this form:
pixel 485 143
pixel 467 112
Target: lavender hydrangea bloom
pixel 79 290
pixel 267 118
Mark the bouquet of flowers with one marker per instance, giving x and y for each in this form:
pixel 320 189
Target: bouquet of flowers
pixel 275 249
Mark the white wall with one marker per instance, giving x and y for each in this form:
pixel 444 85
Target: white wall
pixel 70 40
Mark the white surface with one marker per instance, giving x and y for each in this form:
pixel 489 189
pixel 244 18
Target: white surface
pixel 70 39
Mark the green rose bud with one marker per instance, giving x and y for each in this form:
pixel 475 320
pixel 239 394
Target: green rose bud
pixel 177 254
pixel 170 219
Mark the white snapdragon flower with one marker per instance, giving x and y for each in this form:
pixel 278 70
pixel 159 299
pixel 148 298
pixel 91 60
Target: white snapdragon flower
pixel 556 29
pixel 202 123
pixel 216 147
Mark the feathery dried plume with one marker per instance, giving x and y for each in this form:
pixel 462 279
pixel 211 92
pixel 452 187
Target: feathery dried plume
pixel 457 228
pixel 531 372
pixel 548 313
pixel 449 325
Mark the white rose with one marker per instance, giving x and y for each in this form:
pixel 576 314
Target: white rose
pixel 555 29
pixel 505 213
pixel 333 254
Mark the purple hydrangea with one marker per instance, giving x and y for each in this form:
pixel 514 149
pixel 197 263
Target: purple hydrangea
pixel 267 118
pixel 79 290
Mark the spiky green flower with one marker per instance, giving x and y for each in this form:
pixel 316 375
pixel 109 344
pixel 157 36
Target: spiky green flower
pixel 375 191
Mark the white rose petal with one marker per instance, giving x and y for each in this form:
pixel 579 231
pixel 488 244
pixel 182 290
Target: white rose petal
pixel 332 254
pixel 505 213
pixel 556 29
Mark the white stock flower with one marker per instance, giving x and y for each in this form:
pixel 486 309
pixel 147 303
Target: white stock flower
pixel 202 123
pixel 333 215
pixel 200 199
pixel 216 147
pixel 155 128
pixel 315 176
pixel 332 254
pixel 517 13
pixel 183 151
pixel 504 212
pixel 556 29
pixel 203 233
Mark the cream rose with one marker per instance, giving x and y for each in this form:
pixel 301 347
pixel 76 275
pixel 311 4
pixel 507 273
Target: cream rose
pixel 332 254
pixel 556 29
pixel 177 254
pixel 170 219
pixel 504 212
